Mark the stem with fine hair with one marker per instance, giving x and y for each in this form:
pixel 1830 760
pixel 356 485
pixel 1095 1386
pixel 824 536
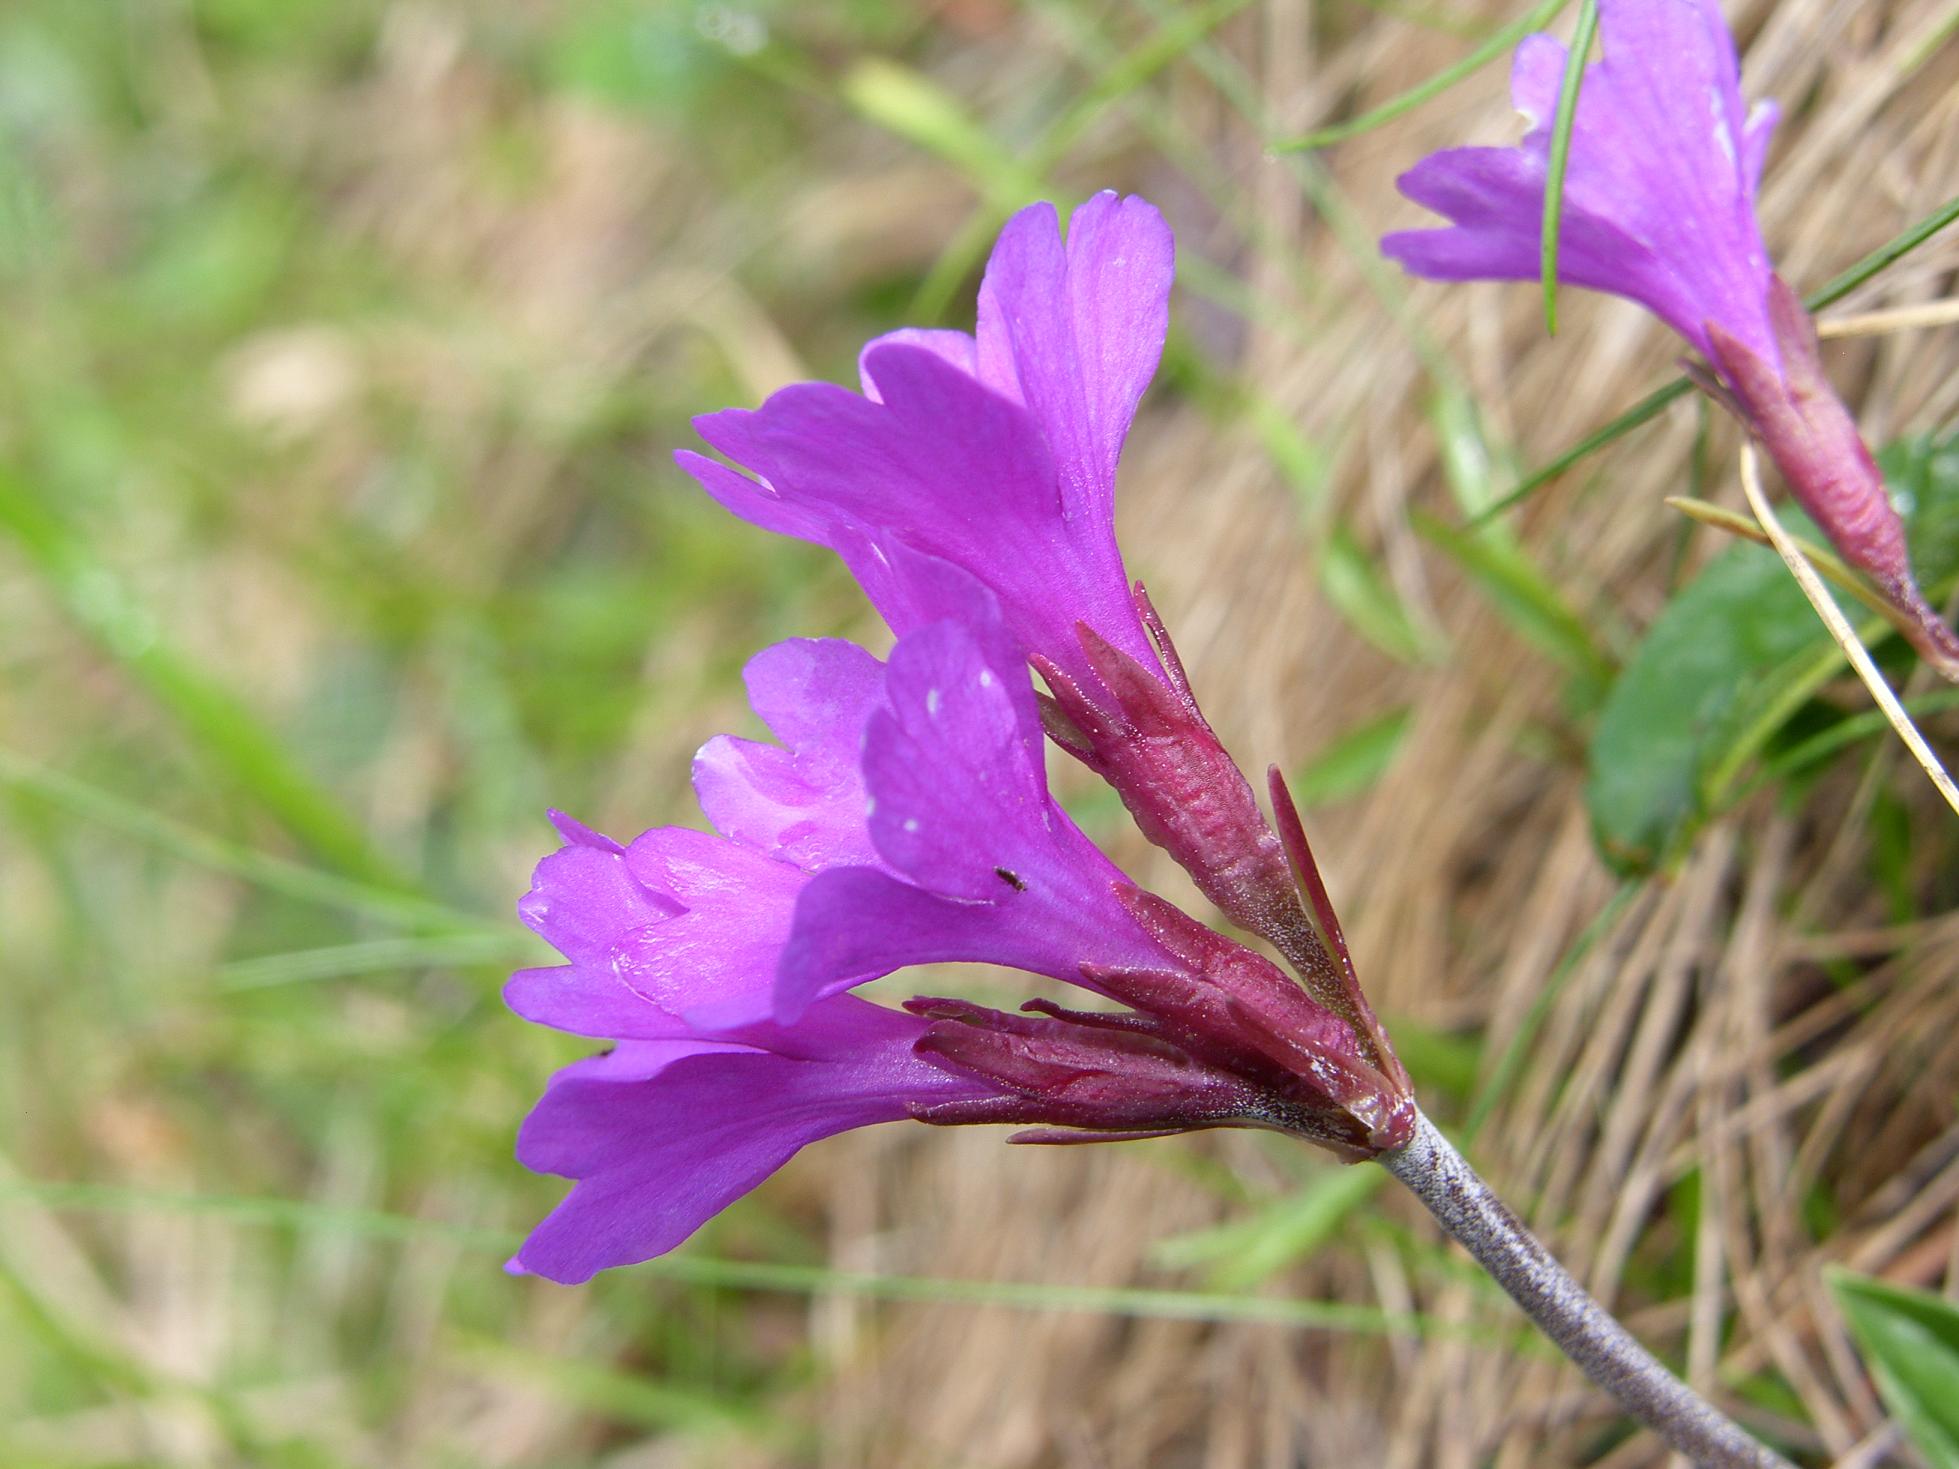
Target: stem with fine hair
pixel 1582 1328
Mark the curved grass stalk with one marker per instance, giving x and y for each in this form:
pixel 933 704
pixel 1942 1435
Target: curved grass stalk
pixel 1897 319
pixel 1494 45
pixel 1841 631
pixel 1561 129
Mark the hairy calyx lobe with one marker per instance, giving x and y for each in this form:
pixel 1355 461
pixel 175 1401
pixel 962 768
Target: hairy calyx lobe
pixel 1809 433
pixel 1215 1035
pixel 1141 730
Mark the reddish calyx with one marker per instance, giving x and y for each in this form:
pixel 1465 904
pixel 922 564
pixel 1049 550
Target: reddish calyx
pixel 1810 435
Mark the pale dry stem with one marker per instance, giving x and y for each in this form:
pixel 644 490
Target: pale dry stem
pixel 1897 319
pixel 1841 631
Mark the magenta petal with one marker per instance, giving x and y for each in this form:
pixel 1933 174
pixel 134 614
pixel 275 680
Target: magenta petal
pixel 641 1060
pixel 753 502
pixel 1076 331
pixel 933 590
pixel 953 780
pixel 656 1157
pixel 1659 188
pixel 679 932
pixel 894 463
pixel 802 801
pixel 713 964
pixel 1755 139
pixel 585 894
pixel 982 865
pixel 589 1000
pixel 1536 78
pixel 855 924
pixel 955 348
pixel 996 454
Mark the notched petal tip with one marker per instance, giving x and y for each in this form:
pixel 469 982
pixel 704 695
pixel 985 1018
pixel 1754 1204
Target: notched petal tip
pixel 1537 77
pixel 579 834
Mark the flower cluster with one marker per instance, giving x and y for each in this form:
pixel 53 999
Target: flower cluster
pixel 902 816
pixel 1659 207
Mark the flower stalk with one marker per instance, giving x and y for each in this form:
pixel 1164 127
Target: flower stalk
pixel 1583 1329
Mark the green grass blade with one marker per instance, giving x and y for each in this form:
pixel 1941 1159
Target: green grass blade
pixel 1524 595
pixel 1505 1066
pixel 212 718
pixel 912 106
pixel 1644 411
pixel 1494 46
pixel 1243 1253
pixel 201 849
pixel 967 145
pixel 756 1275
pixel 1360 593
pixel 1132 70
pixel 614 1394
pixel 1653 403
pixel 1561 128
pixel 1883 257
pixel 1841 735
pixel 382 956
pixel 1354 761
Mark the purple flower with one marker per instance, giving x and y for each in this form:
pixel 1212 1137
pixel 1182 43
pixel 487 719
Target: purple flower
pixel 902 814
pixel 996 452
pixel 903 818
pixel 1659 191
pixel 1659 206
pixel 662 1135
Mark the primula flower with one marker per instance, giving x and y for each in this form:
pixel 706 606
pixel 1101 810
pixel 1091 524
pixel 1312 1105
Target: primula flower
pixel 902 815
pixel 1659 207
pixel 903 819
pixel 996 453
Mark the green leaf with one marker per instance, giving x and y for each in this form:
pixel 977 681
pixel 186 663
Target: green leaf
pixel 1910 1338
pixel 1566 119
pixel 1726 665
pixel 1723 645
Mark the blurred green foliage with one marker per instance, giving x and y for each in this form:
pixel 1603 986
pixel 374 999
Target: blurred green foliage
pixel 1727 676
pixel 1910 1338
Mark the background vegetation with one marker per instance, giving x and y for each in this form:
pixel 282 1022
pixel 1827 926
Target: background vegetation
pixel 344 344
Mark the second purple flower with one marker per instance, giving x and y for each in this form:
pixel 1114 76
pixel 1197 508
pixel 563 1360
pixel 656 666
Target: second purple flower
pixel 1659 207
